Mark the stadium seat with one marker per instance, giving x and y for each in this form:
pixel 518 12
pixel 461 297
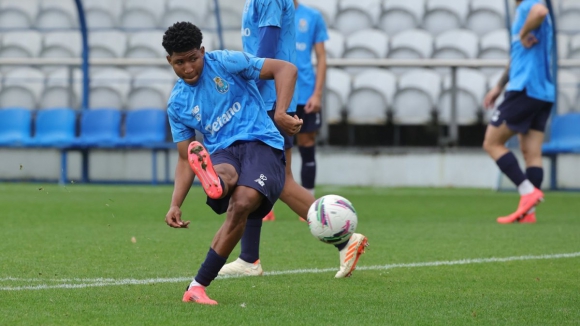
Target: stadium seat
pixel 61 45
pixel 102 13
pixel 411 44
pixel 22 87
pixel 495 45
pixel 401 15
pixel 444 15
pixel 335 44
pixel 569 16
pixel 210 41
pixel 486 16
pixel 142 14
pixel 15 126
pixel 107 44
pixel 356 15
pixel 57 14
pixel 186 10
pixel 574 47
pixel 99 128
pixel 328 9
pixel 417 95
pixel 54 128
pixel 338 84
pixel 471 88
pixel 21 44
pixel 109 88
pixel 57 91
pixel 372 95
pixel 146 45
pixel 563 46
pixel 18 13
pixel 368 43
pixel 567 92
pixel 232 40
pixel 456 44
pixel 564 135
pixel 230 15
pixel 145 128
pixel 151 88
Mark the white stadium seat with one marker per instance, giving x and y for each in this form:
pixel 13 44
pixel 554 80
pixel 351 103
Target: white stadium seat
pixel 401 15
pixel 62 45
pixel 471 88
pixel 142 13
pixel 102 13
pixel 411 44
pixel 574 47
pixel 372 95
pixel 57 91
pixel 57 14
pixel 230 14
pixel 417 96
pixel 567 92
pixel 444 15
pixel 145 45
pixel 233 40
pixel 369 43
pixel 18 13
pixel 328 9
pixel 151 88
pixel 495 45
pixel 21 44
pixel 109 88
pixel 335 44
pixel 338 85
pixel 486 16
pixel 22 87
pixel 563 46
pixel 210 41
pixel 186 10
pixel 456 44
pixel 355 15
pixel 107 44
pixel 569 16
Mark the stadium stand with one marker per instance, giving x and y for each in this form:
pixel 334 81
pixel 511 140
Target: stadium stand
pixel 110 88
pixel 102 13
pixel 54 127
pixel 20 44
pixel 328 9
pixel 369 43
pixel 108 44
pixel 355 15
pixel 444 15
pixel 151 88
pixel 65 44
pixel 182 10
pixel 22 87
pixel 456 44
pixel 372 95
pixel 569 16
pixel 486 16
pixel 335 44
pixel 567 92
pixel 411 44
pixel 338 85
pixel 55 14
pixel 60 91
pixel 144 128
pixel 18 13
pixel 471 88
pixel 417 96
pixel 15 127
pixel 99 128
pixel 401 15
pixel 141 14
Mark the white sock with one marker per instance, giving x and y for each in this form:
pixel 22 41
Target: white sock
pixel 525 188
pixel 532 210
pixel 311 191
pixel 194 283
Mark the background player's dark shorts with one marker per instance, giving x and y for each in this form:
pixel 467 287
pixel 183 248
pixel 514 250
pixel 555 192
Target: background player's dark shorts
pixel 259 166
pixel 288 140
pixel 521 112
pixel 312 121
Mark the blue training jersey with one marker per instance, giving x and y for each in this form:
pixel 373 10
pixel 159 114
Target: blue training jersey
pixel 277 13
pixel 224 105
pixel 310 29
pixel 531 69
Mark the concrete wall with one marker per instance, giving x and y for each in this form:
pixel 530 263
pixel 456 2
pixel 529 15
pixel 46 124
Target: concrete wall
pixel 427 168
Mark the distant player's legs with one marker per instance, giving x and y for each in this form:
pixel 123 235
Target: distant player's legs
pixel 531 146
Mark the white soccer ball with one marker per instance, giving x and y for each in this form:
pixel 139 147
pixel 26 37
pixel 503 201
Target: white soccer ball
pixel 332 219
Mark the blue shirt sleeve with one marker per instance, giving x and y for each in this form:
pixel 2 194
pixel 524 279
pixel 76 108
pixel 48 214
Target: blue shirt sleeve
pixel 179 131
pixel 321 33
pixel 243 64
pixel 270 13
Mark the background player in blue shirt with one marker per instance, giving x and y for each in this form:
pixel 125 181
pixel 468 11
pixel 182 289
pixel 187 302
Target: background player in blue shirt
pixel 268 30
pixel 526 107
pixel 217 96
pixel 310 34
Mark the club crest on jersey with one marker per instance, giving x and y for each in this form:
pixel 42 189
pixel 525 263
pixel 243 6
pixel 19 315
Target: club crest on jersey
pixel 303 25
pixel 221 85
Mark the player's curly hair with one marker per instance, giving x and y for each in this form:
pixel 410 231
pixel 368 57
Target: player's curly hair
pixel 182 37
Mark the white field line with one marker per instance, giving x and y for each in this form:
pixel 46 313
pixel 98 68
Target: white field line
pixel 98 282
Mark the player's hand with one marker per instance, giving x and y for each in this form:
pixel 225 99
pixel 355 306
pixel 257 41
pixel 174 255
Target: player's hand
pixel 313 105
pixel 289 124
pixel 528 40
pixel 173 218
pixel 491 97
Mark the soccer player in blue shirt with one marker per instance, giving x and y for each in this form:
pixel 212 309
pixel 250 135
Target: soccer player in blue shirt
pixel 217 96
pixel 526 107
pixel 310 34
pixel 268 31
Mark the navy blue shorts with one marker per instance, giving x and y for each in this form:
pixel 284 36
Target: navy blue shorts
pixel 312 121
pixel 521 112
pixel 288 140
pixel 259 167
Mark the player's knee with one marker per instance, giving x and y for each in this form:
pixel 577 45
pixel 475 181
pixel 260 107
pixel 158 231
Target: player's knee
pixel 241 207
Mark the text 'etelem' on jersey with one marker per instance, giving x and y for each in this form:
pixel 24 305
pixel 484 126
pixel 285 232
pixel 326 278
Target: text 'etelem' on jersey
pixel 224 105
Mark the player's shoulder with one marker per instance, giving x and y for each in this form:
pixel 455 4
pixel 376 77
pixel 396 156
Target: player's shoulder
pixel 179 95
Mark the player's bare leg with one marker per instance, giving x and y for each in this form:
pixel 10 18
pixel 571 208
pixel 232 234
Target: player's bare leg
pixel 494 145
pixel 294 195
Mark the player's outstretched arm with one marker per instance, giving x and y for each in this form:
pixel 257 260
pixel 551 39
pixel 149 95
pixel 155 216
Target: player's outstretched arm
pixel 535 18
pixel 183 179
pixel 284 75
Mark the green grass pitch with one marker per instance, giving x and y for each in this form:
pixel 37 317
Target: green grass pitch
pixel 67 258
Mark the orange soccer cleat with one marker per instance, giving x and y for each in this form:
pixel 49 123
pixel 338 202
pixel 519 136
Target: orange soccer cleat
pixel 269 217
pixel 526 203
pixel 197 294
pixel 200 163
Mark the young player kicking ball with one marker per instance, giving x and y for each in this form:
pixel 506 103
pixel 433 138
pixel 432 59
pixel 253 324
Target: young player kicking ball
pixel 217 96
